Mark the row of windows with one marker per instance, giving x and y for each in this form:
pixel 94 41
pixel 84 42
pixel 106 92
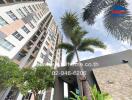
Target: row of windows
pixel 14 17
pixel 7 45
pixel 19 36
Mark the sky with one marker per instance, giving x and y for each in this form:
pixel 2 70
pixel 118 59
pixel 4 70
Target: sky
pixel 59 7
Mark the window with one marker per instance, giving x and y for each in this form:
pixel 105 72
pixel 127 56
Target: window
pixel 30 24
pixel 38 63
pixel 34 7
pixel 42 55
pixel 5 44
pixel 12 16
pixel 39 15
pixel 45 49
pixel 49 61
pixel 2 22
pixel 37 6
pixel 50 54
pixel 30 8
pixel 20 12
pixel 52 48
pixel 18 36
pixel 25 9
pixel 49 38
pixel 47 43
pixel 25 29
pixel 36 17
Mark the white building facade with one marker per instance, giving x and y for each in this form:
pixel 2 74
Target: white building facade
pixel 28 36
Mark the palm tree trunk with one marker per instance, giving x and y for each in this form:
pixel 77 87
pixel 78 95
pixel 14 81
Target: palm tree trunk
pixel 85 85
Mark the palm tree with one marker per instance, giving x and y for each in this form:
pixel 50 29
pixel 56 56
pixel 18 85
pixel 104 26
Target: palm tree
pixel 68 22
pixel 118 26
pixel 79 43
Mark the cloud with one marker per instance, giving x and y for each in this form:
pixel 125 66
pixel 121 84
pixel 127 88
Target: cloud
pixel 58 8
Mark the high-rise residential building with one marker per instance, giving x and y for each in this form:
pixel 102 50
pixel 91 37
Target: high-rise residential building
pixel 29 36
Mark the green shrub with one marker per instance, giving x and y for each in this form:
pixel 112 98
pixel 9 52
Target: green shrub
pixel 96 95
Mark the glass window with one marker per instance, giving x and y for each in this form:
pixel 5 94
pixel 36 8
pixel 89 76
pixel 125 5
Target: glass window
pixel 47 43
pixel 20 12
pixel 50 54
pixel 25 9
pixel 25 29
pixel 5 44
pixel 49 38
pixel 39 15
pixel 45 49
pixel 34 7
pixel 2 22
pixel 42 55
pixel 49 61
pixel 52 48
pixel 34 20
pixel 36 17
pixel 18 36
pixel 30 8
pixel 30 24
pixel 12 16
pixel 38 63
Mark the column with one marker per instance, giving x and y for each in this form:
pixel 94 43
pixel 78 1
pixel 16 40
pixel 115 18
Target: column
pixel 59 89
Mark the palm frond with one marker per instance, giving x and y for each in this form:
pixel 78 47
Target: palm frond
pixel 68 47
pixel 69 57
pixel 95 8
pixel 68 22
pixel 91 42
pixel 77 35
pixel 86 49
pixel 120 27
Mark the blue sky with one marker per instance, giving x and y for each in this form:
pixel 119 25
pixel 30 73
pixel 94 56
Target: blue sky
pixel 59 7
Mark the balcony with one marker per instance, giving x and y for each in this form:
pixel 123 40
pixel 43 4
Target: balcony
pixel 35 52
pixel 39 44
pixel 37 33
pixel 29 45
pixel 34 38
pixel 13 94
pixel 30 61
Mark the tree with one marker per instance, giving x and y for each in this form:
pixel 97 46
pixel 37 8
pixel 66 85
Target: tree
pixel 10 74
pixel 37 79
pixel 26 79
pixel 68 22
pixel 77 43
pixel 119 26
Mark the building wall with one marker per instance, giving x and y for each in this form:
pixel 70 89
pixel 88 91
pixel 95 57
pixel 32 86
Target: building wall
pixel 16 25
pixel 46 56
pixel 115 80
pixel 100 62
